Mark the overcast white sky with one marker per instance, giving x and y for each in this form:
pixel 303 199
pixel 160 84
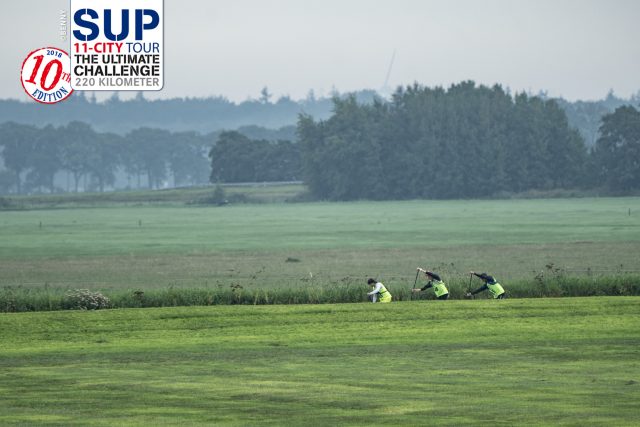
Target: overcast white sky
pixel 578 49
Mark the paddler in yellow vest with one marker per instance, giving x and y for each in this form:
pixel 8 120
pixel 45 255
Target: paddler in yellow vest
pixel 435 282
pixel 379 292
pixel 495 289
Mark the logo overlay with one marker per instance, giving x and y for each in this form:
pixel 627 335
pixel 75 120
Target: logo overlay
pixel 45 75
pixel 117 44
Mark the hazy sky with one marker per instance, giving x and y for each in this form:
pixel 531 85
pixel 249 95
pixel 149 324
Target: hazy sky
pixel 578 49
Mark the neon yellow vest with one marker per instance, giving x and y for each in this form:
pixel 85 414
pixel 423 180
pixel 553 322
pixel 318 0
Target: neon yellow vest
pixel 496 289
pixel 385 295
pixel 439 288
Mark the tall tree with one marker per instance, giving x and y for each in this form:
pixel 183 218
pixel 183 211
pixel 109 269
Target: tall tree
pixel 617 153
pixel 187 158
pixel 232 159
pixel 17 143
pixel 104 159
pixel 236 158
pixel 150 148
pixel 77 150
pixel 46 158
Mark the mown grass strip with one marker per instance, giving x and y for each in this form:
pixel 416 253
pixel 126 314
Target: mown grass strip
pixel 570 361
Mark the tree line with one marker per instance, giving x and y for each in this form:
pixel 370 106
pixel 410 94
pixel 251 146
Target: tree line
pixel 33 158
pixel 203 115
pixel 213 114
pixel 586 116
pixel 464 141
pixel 467 141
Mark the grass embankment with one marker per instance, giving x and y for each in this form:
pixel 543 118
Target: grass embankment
pixel 19 299
pixel 571 361
pixel 244 193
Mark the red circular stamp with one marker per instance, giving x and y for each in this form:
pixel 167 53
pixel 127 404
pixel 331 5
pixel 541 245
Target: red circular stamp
pixel 46 75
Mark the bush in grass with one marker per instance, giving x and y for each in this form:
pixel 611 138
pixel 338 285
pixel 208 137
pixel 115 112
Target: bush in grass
pixel 84 299
pixel 218 197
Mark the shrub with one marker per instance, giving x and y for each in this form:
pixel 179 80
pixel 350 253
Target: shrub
pixel 84 299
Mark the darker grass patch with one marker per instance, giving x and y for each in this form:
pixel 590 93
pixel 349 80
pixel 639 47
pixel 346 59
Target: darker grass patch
pixel 348 404
pixel 184 315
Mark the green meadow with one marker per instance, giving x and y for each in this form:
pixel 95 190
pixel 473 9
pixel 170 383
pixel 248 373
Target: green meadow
pixel 546 361
pixel 521 361
pixel 264 246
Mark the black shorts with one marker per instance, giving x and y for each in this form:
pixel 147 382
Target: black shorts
pixel 445 296
pixel 502 296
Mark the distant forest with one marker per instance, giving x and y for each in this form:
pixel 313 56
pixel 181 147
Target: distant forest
pixel 463 141
pixel 202 115
pixel 258 118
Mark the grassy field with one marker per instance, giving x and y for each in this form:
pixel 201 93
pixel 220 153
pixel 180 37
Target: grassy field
pixel 555 362
pixel 276 245
pixel 569 361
